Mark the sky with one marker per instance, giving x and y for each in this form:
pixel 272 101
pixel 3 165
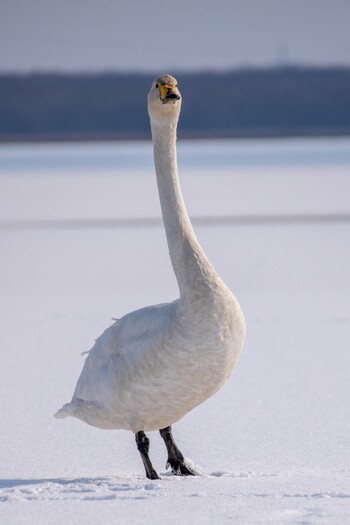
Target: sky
pixel 162 35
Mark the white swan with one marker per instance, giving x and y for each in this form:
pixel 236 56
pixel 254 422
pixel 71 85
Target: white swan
pixel 150 368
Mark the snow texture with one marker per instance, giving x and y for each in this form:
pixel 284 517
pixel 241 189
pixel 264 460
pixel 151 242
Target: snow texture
pixel 273 445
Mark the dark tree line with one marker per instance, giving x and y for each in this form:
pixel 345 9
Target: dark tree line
pixel 246 102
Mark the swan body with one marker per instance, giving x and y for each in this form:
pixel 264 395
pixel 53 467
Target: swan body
pixel 154 365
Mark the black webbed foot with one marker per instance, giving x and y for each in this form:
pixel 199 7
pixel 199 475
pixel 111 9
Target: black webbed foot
pixel 179 469
pixel 176 461
pixel 152 475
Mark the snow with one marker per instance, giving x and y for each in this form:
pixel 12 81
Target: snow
pixel 274 443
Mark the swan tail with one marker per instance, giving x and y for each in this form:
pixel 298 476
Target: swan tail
pixel 68 410
pixel 87 411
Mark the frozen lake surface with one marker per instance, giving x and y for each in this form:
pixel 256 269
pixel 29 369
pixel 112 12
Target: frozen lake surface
pixel 82 242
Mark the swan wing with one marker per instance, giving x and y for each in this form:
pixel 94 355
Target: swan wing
pixel 118 362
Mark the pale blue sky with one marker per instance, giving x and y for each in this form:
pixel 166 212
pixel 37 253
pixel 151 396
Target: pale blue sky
pixel 162 35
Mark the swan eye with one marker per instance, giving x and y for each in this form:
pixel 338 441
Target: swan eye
pixel 157 86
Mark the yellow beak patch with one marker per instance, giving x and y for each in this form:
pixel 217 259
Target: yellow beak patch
pixel 164 88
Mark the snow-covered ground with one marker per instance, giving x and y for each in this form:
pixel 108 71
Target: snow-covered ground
pixel 81 242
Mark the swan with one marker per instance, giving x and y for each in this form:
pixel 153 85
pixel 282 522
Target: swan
pixel 154 365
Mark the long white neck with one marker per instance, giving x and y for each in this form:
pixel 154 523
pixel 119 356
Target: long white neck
pixel 191 266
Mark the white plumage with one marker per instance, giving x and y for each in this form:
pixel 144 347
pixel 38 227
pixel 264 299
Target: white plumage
pixel 150 368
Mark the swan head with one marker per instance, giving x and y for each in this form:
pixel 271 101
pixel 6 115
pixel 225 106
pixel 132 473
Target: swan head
pixel 164 99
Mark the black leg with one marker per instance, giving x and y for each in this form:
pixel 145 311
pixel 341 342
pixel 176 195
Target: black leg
pixel 142 443
pixel 175 458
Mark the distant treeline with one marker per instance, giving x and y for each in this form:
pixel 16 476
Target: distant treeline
pixel 241 103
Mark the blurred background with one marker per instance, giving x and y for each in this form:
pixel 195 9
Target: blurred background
pixel 81 70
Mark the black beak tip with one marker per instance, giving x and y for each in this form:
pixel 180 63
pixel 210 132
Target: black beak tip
pixel 173 96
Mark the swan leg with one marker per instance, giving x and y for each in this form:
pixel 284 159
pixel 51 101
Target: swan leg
pixel 142 442
pixel 175 458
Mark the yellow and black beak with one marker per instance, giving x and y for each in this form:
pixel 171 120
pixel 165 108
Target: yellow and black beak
pixel 168 93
